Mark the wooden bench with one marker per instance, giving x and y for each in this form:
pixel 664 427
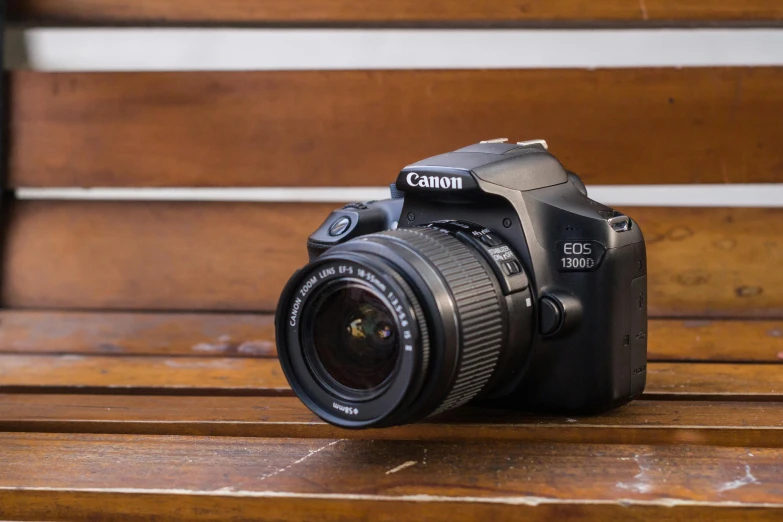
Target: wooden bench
pixel 138 377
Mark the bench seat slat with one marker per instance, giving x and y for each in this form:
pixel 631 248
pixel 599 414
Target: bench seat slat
pixel 145 333
pixel 153 505
pixel 252 335
pixel 244 376
pixel 278 477
pixel 640 422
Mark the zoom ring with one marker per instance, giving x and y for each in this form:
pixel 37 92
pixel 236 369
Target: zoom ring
pixel 478 309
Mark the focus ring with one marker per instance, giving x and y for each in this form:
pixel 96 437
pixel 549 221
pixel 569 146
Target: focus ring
pixel 478 308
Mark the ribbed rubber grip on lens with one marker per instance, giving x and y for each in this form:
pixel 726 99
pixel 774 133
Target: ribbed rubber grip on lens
pixel 478 308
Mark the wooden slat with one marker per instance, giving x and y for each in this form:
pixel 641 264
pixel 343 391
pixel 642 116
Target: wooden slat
pixel 237 256
pixel 713 262
pixel 700 340
pixel 252 335
pixel 145 374
pixel 118 333
pixel 407 12
pixel 661 125
pixel 244 376
pixel 640 422
pixel 714 381
pixel 116 505
pixel 78 477
pixel 221 256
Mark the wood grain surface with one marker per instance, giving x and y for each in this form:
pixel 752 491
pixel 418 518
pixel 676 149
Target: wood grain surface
pixel 640 422
pixel 358 128
pixel 713 262
pixel 443 480
pixel 154 375
pixel 63 504
pixel 237 256
pixel 252 335
pixel 407 12
pixel 136 333
pixel 714 381
pixel 190 256
pixel 144 374
pixel 709 340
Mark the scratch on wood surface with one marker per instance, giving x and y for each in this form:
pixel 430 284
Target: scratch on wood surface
pixel 510 500
pixel 643 8
pixel 402 467
pixel 723 171
pixel 294 463
pixel 641 481
pixel 210 364
pixel 227 346
pixel 743 481
pixel 211 347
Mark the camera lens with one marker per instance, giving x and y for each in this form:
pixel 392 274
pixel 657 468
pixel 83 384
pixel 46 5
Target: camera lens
pixel 390 328
pixel 353 338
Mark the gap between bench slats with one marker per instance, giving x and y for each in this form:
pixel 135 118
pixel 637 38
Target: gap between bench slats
pixel 640 422
pixel 252 335
pixel 449 13
pixel 358 128
pixel 49 474
pixel 718 262
pixel 242 376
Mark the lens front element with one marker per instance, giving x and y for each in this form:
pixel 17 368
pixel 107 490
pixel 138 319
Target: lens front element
pixel 353 338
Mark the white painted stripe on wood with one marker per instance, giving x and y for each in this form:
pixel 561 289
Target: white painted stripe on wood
pixel 737 195
pixel 187 49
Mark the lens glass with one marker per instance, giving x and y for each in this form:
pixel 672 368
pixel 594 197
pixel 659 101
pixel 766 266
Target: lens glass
pixel 354 337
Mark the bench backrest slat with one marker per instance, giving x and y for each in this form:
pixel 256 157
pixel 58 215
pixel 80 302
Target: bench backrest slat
pixel 384 12
pixel 358 128
pixel 237 256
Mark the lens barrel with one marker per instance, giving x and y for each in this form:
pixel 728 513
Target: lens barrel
pixel 392 327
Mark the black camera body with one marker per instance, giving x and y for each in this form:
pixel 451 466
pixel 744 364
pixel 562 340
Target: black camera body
pixel 489 275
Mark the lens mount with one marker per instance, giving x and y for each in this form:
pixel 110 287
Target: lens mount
pixel 391 327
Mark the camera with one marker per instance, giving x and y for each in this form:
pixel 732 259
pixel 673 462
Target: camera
pixel 488 276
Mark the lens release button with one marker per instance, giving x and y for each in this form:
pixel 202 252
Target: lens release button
pixel 550 316
pixel 339 227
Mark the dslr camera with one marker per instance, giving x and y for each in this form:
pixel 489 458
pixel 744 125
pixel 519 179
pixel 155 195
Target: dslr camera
pixel 488 276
